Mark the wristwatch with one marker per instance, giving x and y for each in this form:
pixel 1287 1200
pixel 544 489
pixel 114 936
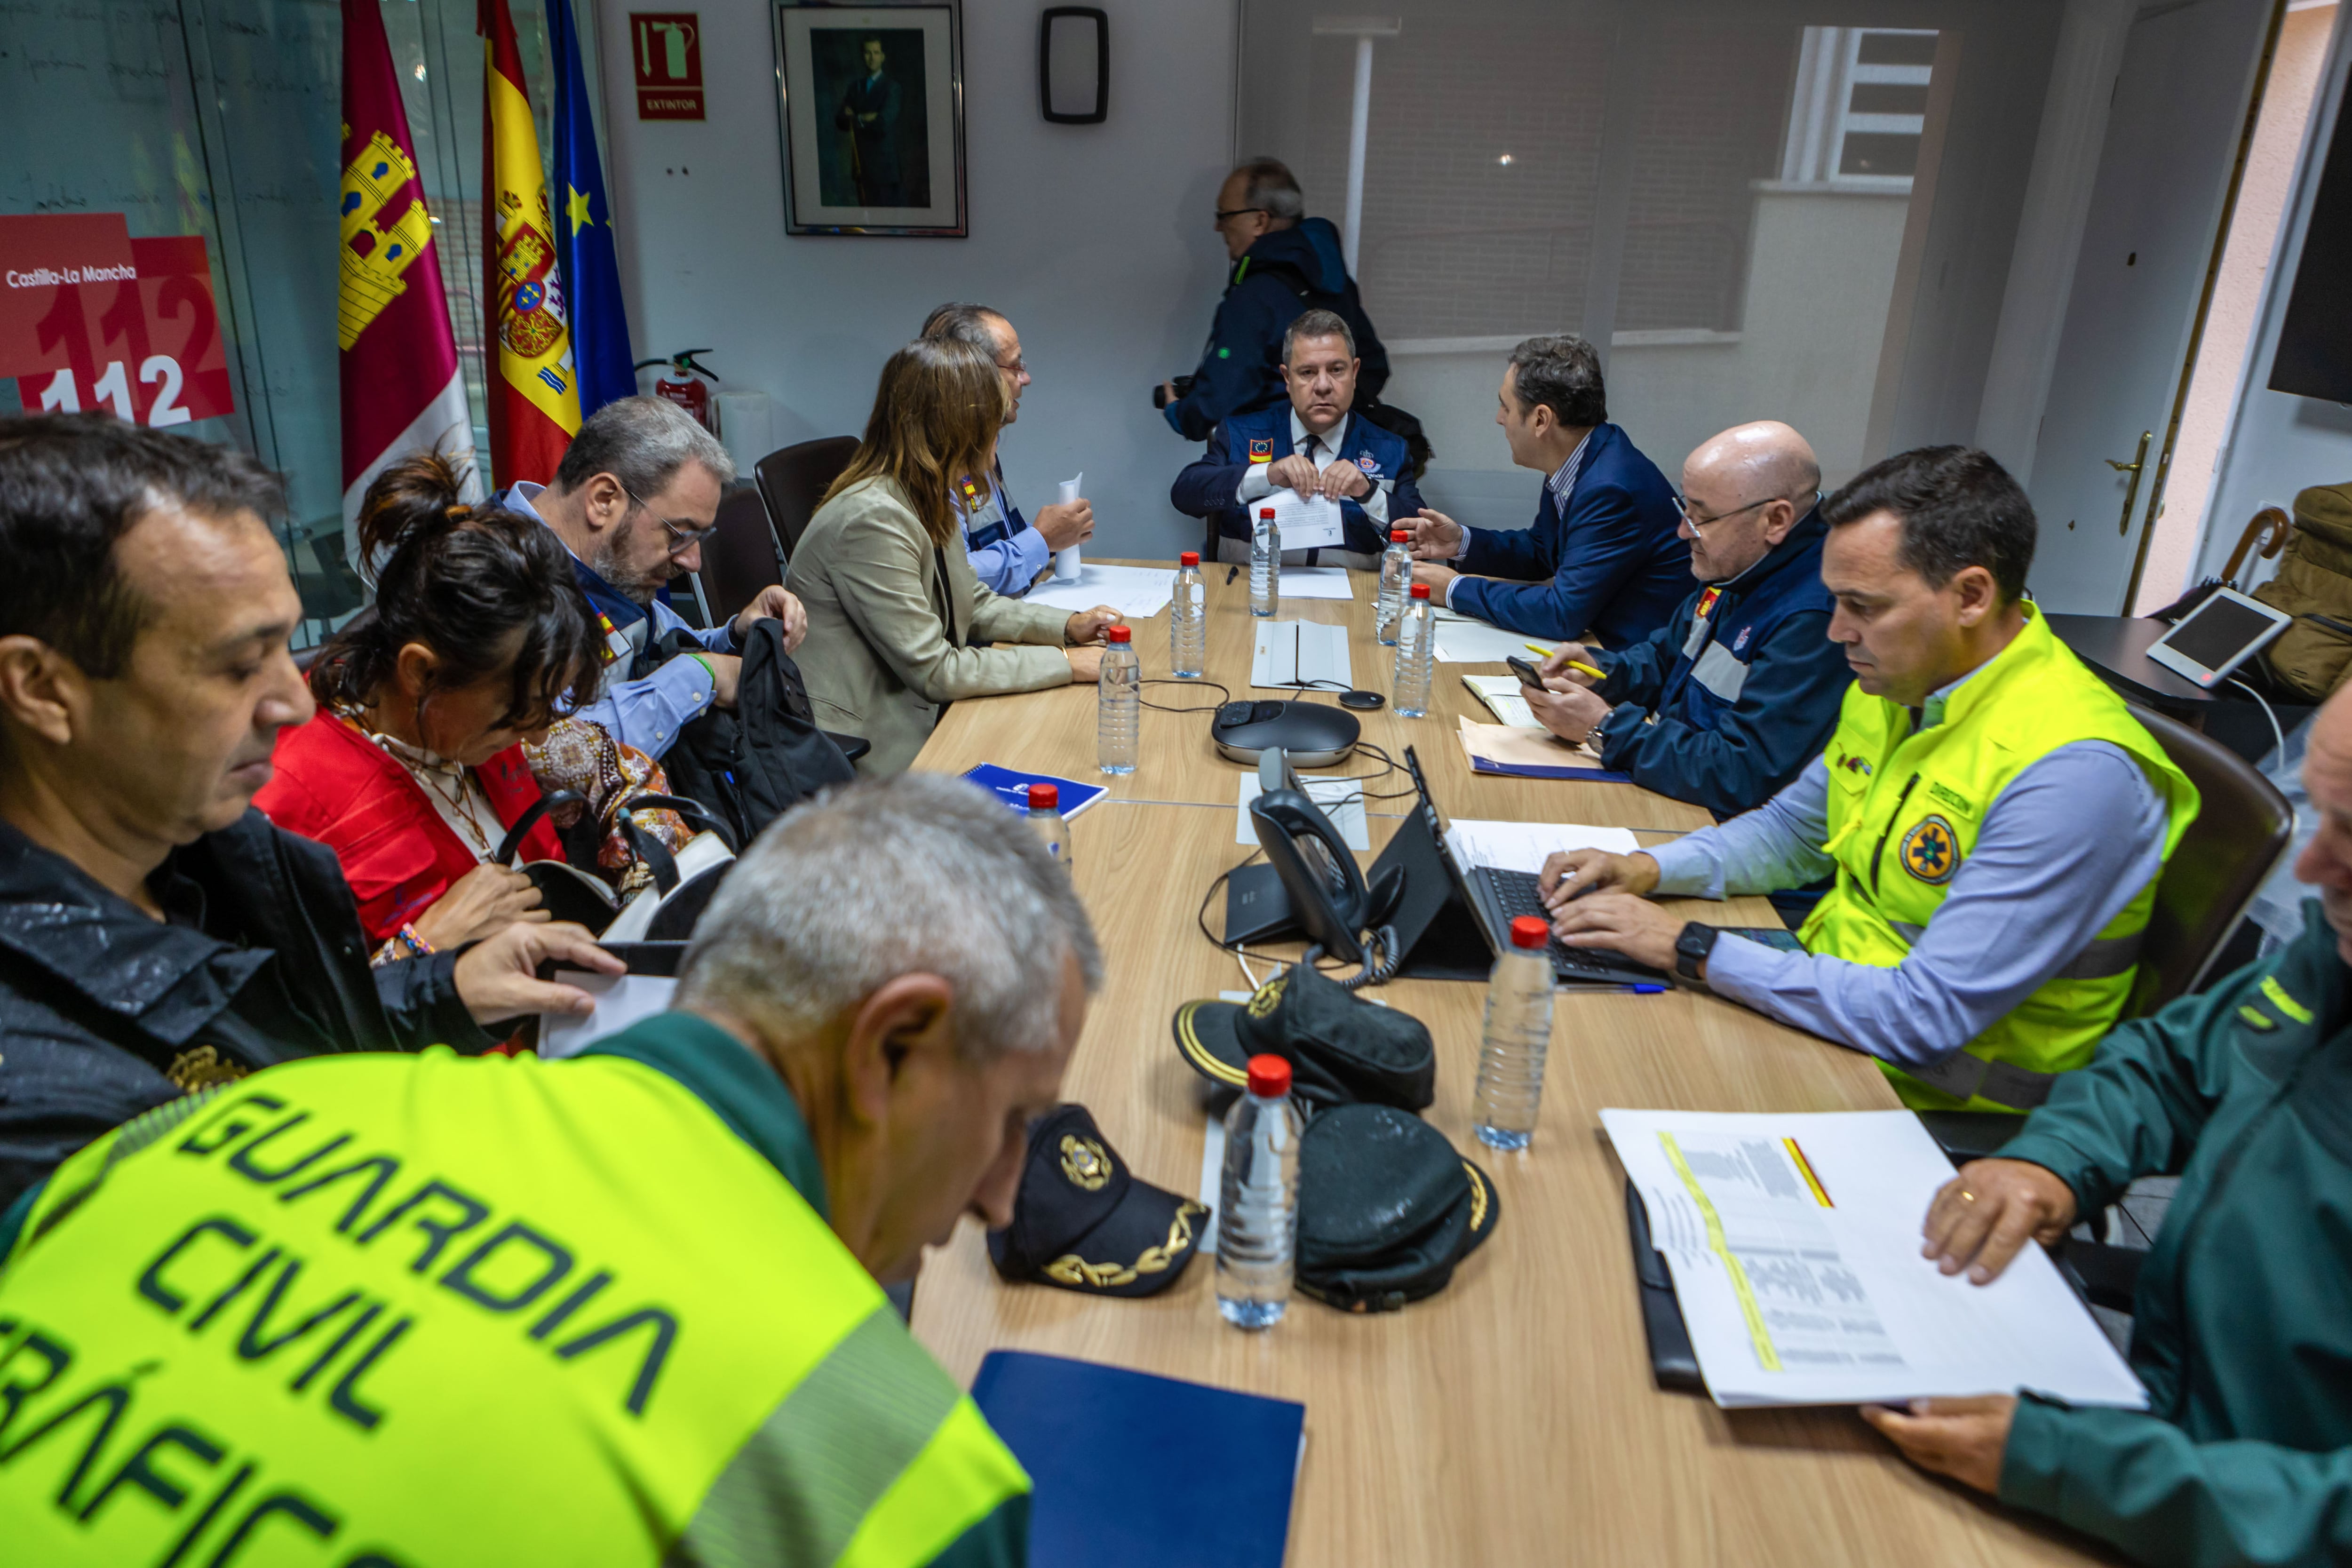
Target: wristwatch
pixel 1692 947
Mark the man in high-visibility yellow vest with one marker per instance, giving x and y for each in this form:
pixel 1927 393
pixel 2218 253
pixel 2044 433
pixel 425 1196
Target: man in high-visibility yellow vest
pixel 395 1311
pixel 1995 817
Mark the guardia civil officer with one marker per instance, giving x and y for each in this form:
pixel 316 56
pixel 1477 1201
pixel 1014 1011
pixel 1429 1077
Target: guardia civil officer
pixel 1995 817
pixel 1312 444
pixel 1284 263
pixel 1723 704
pixel 2243 1091
pixel 621 1308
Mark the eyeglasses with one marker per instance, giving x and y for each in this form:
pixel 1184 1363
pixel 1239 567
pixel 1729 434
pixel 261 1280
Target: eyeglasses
pixel 1225 214
pixel 681 540
pixel 1682 505
pixel 1020 366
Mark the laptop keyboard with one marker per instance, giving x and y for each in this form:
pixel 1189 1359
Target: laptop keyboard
pixel 1518 893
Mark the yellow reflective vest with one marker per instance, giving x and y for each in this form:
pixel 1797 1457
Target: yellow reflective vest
pixel 394 1311
pixel 1904 810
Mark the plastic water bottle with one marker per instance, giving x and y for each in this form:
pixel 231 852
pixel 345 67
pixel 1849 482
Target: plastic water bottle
pixel 1257 1214
pixel 1046 816
pixel 1396 576
pixel 1187 620
pixel 1416 655
pixel 1120 692
pixel 1265 565
pixel 1518 1037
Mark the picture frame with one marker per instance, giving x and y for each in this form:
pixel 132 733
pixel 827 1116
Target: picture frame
pixel 869 110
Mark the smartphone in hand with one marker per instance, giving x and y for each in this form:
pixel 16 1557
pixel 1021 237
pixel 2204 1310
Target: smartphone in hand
pixel 1524 671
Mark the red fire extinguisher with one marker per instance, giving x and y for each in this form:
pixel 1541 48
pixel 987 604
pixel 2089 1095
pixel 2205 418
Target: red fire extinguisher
pixel 685 390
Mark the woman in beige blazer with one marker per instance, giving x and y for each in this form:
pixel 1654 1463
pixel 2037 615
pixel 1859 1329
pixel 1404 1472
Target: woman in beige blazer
pixel 897 623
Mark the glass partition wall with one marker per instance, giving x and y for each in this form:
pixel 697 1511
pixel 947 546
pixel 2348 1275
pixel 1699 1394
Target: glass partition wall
pixel 1756 208
pixel 223 117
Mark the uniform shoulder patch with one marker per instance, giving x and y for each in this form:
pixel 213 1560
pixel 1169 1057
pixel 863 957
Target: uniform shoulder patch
pixel 1929 851
pixel 1261 452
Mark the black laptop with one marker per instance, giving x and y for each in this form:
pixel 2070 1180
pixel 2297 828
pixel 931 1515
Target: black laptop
pixel 1494 897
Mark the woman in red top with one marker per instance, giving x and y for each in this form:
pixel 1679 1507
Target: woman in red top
pixel 413 768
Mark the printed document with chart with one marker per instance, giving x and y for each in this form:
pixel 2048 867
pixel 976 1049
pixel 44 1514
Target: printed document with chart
pixel 1794 1241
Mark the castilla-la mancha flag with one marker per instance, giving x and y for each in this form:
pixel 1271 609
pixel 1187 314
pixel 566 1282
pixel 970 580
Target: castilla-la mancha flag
pixel 534 389
pixel 402 390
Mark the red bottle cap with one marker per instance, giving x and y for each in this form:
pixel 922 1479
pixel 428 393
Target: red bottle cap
pixel 1119 634
pixel 1189 558
pixel 1043 795
pixel 1269 1076
pixel 1527 931
pixel 1399 535
pixel 1421 590
pixel 1266 512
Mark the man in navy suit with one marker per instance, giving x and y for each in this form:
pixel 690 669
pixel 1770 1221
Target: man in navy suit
pixel 1605 556
pixel 869 112
pixel 1313 444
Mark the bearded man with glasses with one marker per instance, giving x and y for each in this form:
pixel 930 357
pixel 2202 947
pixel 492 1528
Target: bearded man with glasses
pixel 633 499
pixel 1724 704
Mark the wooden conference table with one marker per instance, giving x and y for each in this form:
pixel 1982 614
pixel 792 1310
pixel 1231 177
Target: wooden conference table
pixel 1511 1418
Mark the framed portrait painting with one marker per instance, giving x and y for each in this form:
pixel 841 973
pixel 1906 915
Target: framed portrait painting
pixel 870 106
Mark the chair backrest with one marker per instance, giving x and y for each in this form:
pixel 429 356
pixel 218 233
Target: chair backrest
pixel 793 479
pixel 2242 829
pixel 740 557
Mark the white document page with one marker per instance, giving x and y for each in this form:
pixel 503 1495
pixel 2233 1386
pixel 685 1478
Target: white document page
pixel 1316 581
pixel 1794 1245
pixel 1500 693
pixel 1461 640
pixel 1308 524
pixel 1526 845
pixel 1289 654
pixel 621 1000
pixel 1139 593
pixel 1343 801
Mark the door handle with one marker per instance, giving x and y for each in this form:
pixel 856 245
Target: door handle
pixel 2131 494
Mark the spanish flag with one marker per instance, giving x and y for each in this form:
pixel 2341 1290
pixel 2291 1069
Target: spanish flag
pixel 534 389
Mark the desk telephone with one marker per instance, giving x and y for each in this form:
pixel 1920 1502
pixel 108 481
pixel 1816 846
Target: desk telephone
pixel 1327 896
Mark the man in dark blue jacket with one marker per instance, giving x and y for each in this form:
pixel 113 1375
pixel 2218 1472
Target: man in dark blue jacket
pixel 1604 557
pixel 1284 264
pixel 1312 444
pixel 1724 704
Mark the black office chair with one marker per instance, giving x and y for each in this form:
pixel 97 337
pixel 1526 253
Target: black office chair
pixel 792 480
pixel 742 557
pixel 2243 828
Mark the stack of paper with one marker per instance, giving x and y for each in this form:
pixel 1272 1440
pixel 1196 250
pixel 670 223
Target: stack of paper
pixel 1518 753
pixel 1139 593
pixel 1461 640
pixel 1316 581
pixel 1793 1241
pixel 1526 845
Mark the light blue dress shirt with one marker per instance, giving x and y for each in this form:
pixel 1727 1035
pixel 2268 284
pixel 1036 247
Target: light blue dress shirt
pixel 648 714
pixel 1009 565
pixel 2070 842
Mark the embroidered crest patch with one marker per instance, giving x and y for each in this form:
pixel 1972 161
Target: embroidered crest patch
pixel 1261 452
pixel 1368 463
pixel 1740 642
pixel 1929 851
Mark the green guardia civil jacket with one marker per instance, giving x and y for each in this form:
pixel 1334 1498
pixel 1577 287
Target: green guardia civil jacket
pixel 426 1312
pixel 2243 1320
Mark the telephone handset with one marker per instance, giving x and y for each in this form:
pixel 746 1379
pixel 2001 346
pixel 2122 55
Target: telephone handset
pixel 1328 898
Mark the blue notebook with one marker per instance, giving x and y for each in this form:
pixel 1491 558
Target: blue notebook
pixel 1013 788
pixel 1531 771
pixel 1143 1471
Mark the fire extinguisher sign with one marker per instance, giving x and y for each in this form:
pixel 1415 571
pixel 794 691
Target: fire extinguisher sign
pixel 665 47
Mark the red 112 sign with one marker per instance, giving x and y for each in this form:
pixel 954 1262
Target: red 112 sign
pixel 90 317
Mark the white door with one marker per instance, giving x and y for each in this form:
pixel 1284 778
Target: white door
pixel 2172 138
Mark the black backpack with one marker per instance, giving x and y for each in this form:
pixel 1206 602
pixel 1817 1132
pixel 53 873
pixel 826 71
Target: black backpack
pixel 751 763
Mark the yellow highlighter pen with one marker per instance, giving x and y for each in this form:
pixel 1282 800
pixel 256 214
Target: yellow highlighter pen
pixel 1572 664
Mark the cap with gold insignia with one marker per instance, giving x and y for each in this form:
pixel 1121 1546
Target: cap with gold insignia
pixel 1082 1220
pixel 1386 1209
pixel 1341 1049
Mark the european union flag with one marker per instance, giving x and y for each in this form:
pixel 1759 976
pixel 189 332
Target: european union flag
pixel 583 227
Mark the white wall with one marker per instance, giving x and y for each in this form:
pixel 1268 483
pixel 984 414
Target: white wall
pixel 1093 239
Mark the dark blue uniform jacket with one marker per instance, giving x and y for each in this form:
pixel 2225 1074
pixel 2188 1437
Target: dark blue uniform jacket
pixel 1724 709
pixel 1613 566
pixel 1283 276
pixel 1207 487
